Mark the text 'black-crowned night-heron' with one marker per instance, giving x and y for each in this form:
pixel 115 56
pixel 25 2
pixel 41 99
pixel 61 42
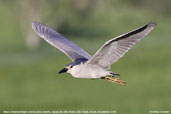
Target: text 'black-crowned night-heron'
pixel 97 66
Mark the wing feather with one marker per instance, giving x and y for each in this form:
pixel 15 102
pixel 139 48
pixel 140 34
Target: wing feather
pixel 57 40
pixel 115 48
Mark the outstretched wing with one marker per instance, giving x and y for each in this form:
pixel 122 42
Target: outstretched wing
pixel 57 40
pixel 115 48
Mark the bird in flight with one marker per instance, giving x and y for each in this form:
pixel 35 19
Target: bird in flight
pixel 97 66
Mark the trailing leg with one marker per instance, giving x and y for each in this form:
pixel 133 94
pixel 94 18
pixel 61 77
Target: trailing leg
pixel 114 80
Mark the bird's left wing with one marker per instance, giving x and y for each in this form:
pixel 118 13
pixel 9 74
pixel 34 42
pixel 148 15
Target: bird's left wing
pixel 115 48
pixel 57 40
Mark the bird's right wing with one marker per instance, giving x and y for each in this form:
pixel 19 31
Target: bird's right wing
pixel 115 48
pixel 57 40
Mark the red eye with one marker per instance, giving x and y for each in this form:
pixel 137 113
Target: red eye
pixel 70 66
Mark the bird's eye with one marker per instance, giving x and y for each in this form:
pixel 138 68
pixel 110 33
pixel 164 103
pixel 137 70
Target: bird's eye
pixel 70 66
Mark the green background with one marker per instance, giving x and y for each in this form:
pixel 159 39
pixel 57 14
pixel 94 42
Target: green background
pixel 29 66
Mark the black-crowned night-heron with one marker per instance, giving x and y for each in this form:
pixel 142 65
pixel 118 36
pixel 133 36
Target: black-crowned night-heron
pixel 97 66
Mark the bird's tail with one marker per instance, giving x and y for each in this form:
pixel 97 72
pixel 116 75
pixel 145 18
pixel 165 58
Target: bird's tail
pixel 114 74
pixel 115 80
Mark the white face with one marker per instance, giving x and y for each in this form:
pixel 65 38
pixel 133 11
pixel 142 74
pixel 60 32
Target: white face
pixel 69 68
pixel 73 70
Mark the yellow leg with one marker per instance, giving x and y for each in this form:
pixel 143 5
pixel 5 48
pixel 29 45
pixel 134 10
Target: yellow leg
pixel 115 80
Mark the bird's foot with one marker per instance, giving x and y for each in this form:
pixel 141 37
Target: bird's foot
pixel 115 80
pixel 119 81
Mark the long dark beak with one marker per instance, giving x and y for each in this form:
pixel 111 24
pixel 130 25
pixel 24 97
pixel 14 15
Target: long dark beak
pixel 63 70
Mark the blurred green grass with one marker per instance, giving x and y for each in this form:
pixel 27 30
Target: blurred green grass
pixel 29 79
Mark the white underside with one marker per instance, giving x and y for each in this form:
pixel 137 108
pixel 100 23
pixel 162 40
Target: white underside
pixel 88 71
